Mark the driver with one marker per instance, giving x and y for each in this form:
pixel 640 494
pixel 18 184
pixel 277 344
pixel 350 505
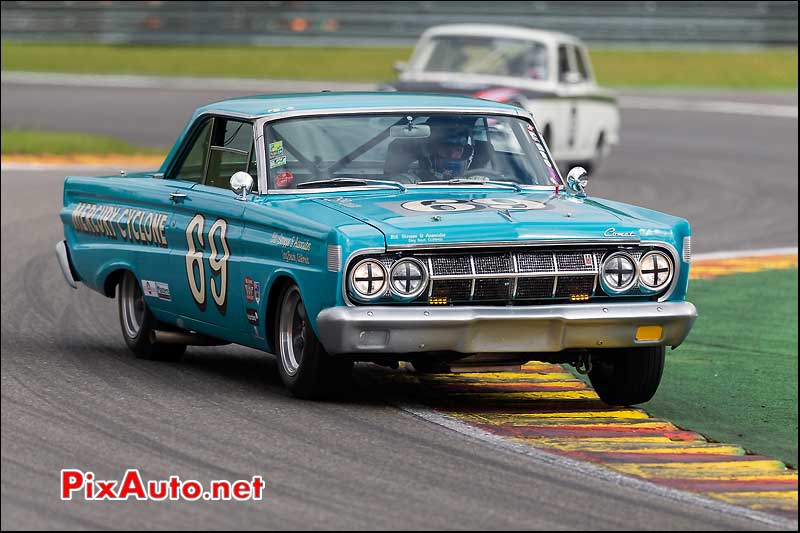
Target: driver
pixel 449 150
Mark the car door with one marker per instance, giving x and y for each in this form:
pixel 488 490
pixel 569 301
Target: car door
pixel 207 229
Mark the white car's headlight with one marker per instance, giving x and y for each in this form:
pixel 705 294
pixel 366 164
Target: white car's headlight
pixel 655 270
pixel 368 280
pixel 408 279
pixel 618 273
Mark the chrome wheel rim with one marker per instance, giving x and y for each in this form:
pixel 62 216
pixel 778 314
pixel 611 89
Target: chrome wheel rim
pixel 293 331
pixel 132 302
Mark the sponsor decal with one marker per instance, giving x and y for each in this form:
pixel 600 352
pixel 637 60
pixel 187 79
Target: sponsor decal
pixel 290 241
pixel 117 223
pixel 454 205
pixel 284 179
pixel 149 288
pixel 252 316
pixel 163 291
pixel 277 157
pixel 415 238
pixel 218 254
pixel 252 290
pixel 612 232
pixel 295 257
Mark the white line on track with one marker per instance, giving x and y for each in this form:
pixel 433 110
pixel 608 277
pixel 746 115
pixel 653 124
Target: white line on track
pixel 270 85
pixel 595 471
pixel 708 106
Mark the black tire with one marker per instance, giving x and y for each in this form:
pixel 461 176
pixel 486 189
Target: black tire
pixel 430 366
pixel 304 366
pixel 138 323
pixel 627 376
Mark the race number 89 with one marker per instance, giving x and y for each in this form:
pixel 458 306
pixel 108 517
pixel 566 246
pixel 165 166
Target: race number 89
pixel 217 262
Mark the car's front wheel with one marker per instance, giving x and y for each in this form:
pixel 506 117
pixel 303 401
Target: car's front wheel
pixel 138 323
pixel 627 376
pixel 304 366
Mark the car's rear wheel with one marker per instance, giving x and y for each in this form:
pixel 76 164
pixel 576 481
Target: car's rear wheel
pixel 304 366
pixel 138 323
pixel 627 376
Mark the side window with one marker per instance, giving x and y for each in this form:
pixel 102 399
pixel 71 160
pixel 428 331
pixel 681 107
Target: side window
pixel 580 63
pixel 563 63
pixel 231 151
pixel 192 167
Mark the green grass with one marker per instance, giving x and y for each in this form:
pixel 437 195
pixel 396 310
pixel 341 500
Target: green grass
pixel 735 377
pixel 34 142
pixel 758 69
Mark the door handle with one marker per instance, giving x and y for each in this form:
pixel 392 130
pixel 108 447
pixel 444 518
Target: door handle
pixel 175 196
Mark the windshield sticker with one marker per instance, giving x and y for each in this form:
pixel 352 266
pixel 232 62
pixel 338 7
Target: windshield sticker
pixel 277 157
pixel 456 205
pixel 284 178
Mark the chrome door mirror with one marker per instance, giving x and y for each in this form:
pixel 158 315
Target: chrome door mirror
pixel 577 179
pixel 241 184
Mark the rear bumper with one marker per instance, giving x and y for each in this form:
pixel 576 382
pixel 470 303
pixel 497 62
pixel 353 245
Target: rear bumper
pixel 62 254
pixel 547 328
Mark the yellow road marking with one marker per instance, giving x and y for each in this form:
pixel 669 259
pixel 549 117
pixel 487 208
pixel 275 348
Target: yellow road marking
pixel 587 394
pixel 112 160
pixel 784 499
pixel 504 376
pixel 711 268
pixel 559 416
pixel 585 443
pixel 710 470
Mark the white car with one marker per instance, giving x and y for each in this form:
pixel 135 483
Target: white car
pixel 547 73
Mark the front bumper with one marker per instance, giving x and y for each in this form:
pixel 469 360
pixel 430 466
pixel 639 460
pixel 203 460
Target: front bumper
pixel 546 328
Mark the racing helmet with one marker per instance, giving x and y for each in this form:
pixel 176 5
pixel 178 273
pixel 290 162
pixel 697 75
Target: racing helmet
pixel 451 146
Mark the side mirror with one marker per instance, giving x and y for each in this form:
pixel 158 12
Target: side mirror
pixel 577 179
pixel 241 184
pixel 400 66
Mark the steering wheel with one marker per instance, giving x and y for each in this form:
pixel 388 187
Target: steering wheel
pixel 484 173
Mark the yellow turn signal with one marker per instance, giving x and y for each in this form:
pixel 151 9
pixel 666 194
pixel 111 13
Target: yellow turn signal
pixel 649 333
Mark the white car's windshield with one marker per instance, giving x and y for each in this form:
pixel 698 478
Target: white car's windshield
pixel 408 149
pixel 484 55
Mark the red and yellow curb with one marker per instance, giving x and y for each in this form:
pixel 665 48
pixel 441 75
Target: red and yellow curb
pixel 712 268
pixel 546 407
pixel 107 160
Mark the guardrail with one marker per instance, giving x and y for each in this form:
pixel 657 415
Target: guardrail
pixel 753 23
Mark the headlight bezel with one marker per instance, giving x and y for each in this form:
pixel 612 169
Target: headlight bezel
pixel 628 285
pixel 410 296
pixel 652 289
pixel 360 296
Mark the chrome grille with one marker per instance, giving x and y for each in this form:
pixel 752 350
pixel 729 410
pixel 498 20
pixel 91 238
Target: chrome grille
pixel 451 265
pixel 525 275
pixel 535 262
pixel 492 264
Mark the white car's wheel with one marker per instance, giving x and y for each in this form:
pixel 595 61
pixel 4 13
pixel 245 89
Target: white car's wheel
pixel 304 366
pixel 138 323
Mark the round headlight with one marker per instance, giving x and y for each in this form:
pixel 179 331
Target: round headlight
pixel 655 270
pixel 618 273
pixel 368 280
pixel 408 279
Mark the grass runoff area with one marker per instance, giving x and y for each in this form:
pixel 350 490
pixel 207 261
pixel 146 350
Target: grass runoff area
pixel 34 142
pixel 752 69
pixel 735 378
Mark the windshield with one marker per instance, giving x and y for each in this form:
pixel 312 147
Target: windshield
pixel 483 55
pixel 409 148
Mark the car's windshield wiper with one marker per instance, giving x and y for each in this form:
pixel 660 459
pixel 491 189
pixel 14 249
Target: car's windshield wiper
pixel 349 182
pixel 464 181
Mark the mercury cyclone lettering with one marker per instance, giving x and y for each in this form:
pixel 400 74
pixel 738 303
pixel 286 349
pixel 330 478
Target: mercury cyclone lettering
pixel 132 225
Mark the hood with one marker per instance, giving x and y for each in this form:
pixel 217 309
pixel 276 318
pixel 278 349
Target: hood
pixel 449 215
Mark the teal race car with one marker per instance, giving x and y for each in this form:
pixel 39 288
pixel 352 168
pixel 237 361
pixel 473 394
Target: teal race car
pixel 339 227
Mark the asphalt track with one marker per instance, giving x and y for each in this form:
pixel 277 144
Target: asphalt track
pixel 73 397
